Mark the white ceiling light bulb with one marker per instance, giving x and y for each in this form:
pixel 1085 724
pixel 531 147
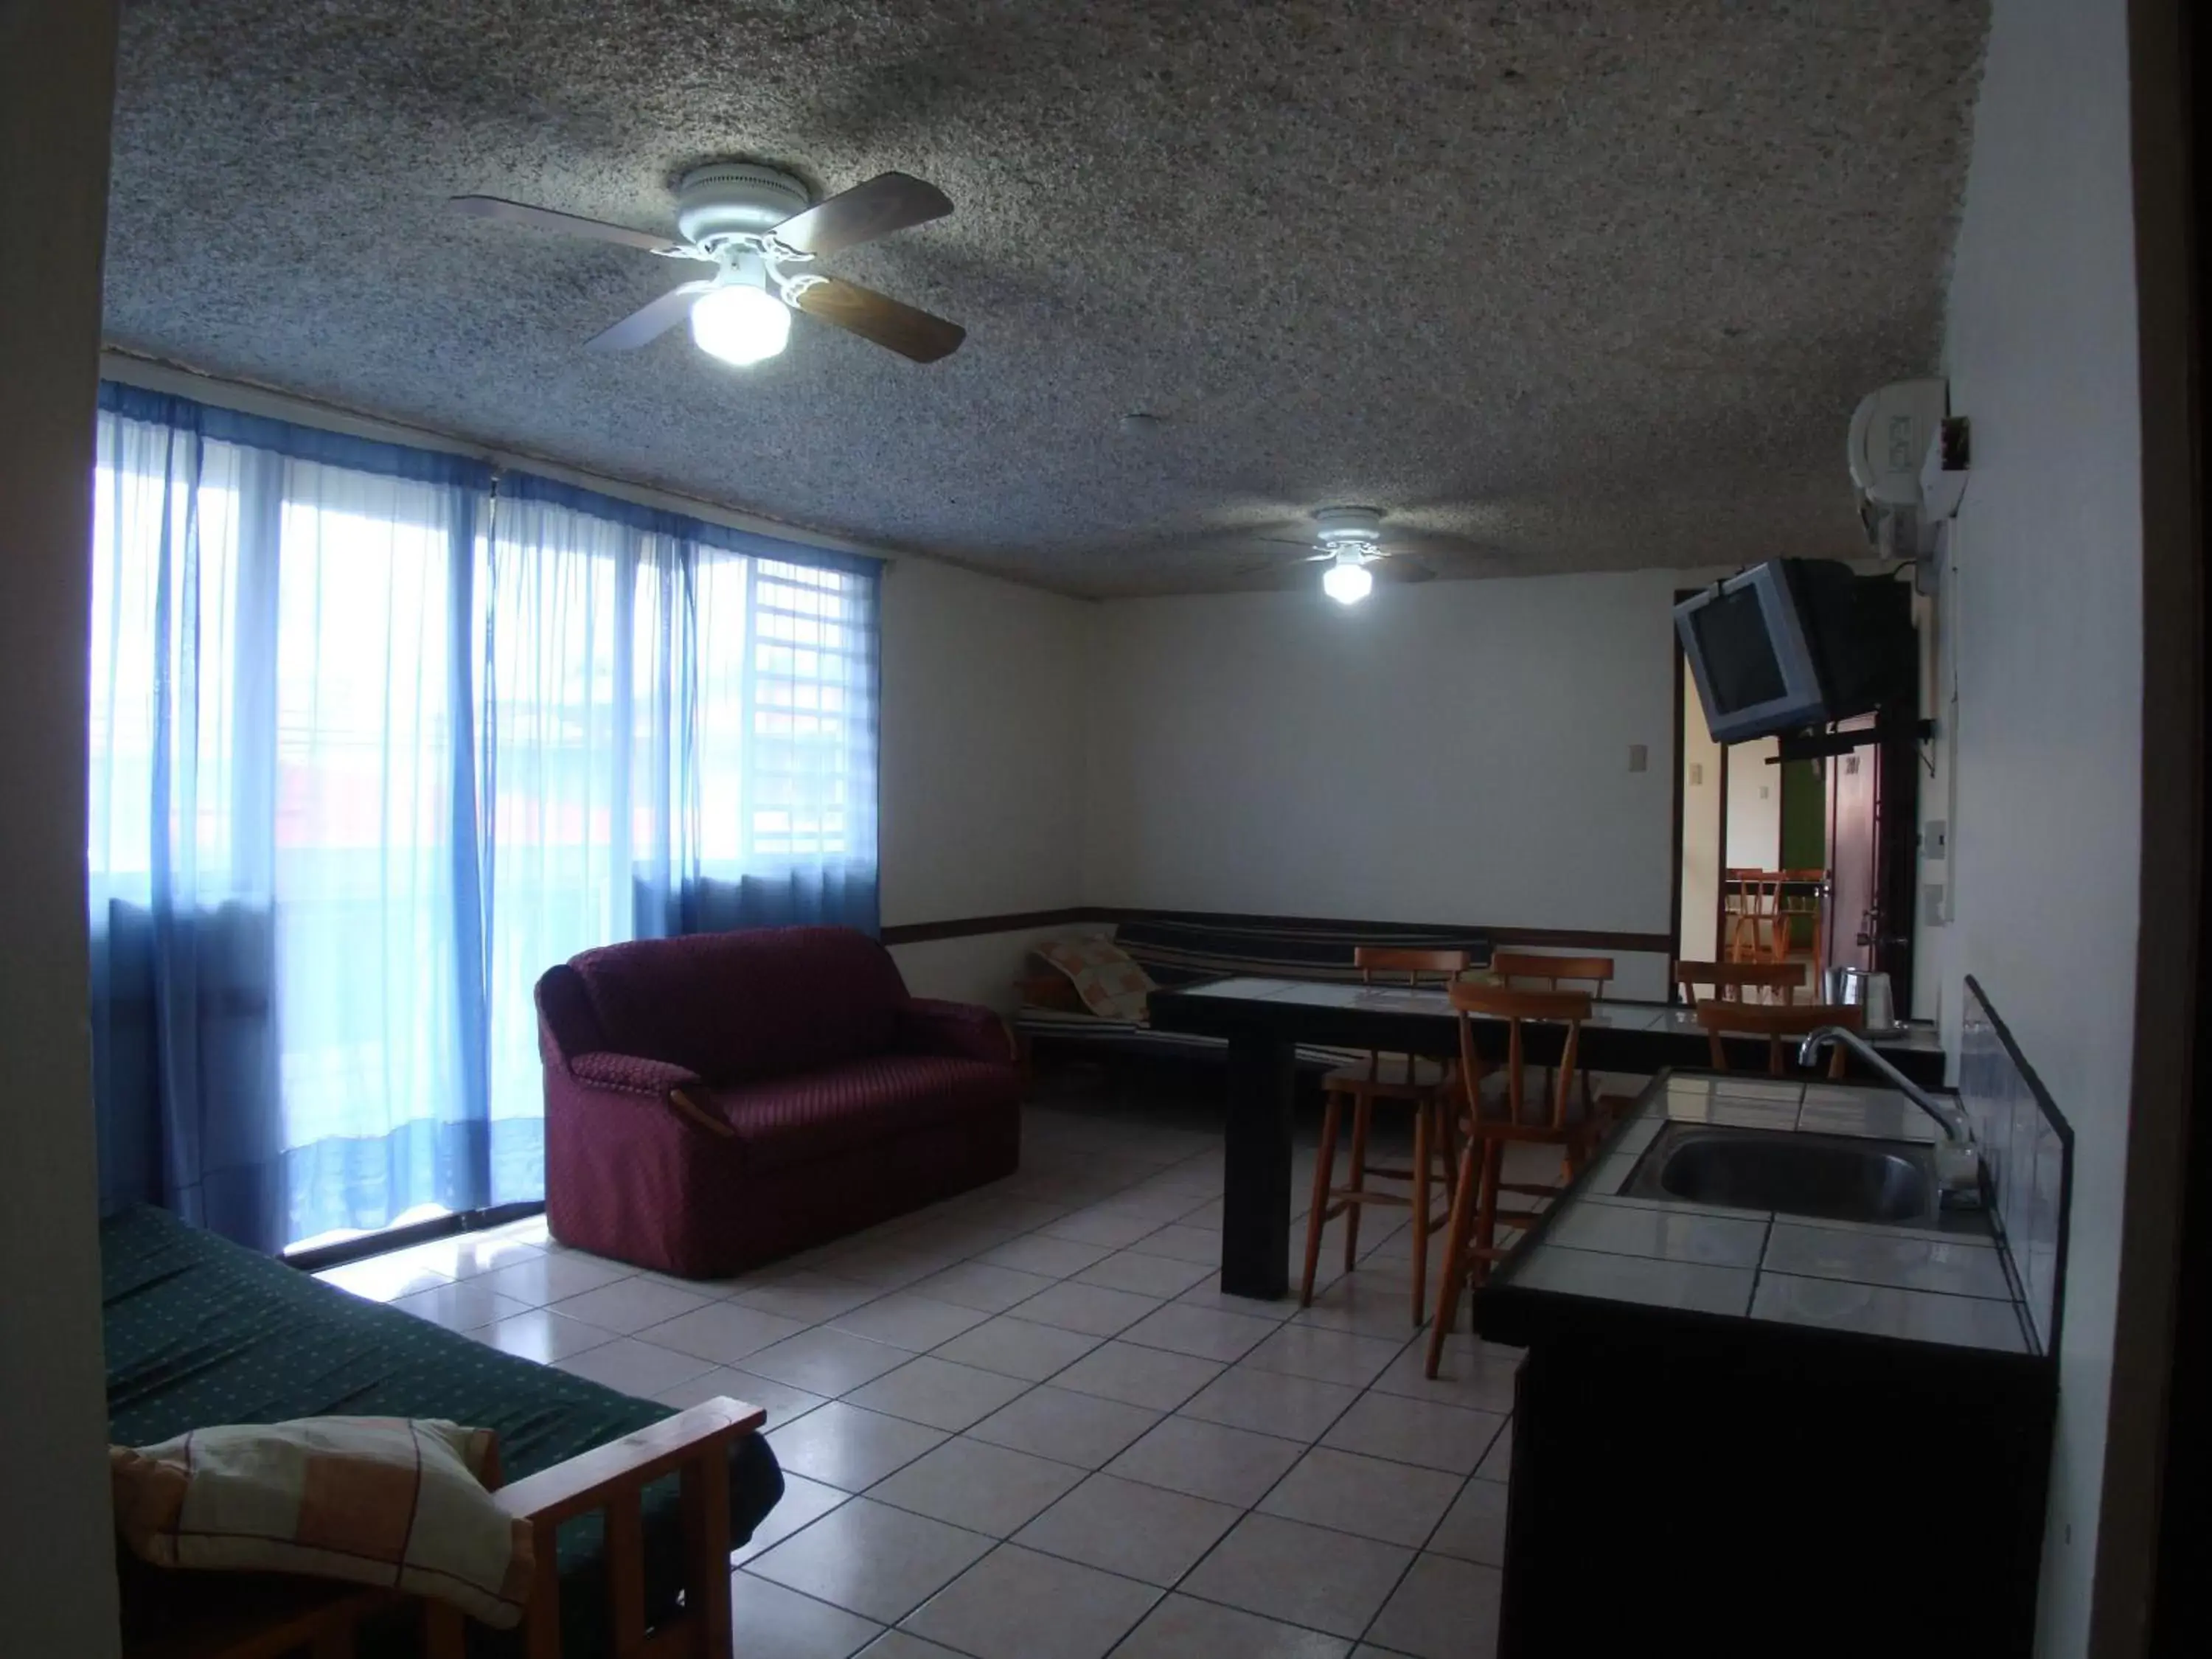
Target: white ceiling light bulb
pixel 740 323
pixel 1348 580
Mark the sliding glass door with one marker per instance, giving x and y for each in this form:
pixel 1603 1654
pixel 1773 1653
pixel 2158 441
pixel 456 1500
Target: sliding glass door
pixel 376 738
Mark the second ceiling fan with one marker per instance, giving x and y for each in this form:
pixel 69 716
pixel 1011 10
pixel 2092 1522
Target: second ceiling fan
pixel 1348 540
pixel 763 231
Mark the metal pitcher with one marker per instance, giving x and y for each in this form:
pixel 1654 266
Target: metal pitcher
pixel 1866 990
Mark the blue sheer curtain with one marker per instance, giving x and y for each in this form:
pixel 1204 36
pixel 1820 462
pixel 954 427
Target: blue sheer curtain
pixel 377 738
pixel 679 725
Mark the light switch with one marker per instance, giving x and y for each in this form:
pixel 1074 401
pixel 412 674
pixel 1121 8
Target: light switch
pixel 1936 839
pixel 1697 773
pixel 1640 758
pixel 1762 792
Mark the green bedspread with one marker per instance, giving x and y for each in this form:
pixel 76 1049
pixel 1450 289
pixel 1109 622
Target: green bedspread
pixel 200 1332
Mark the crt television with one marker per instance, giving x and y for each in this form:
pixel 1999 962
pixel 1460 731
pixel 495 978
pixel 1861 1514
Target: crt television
pixel 1794 643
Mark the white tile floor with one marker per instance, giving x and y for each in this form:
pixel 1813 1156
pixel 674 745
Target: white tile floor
pixel 1024 1424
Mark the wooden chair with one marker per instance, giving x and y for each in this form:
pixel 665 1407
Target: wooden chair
pixel 1525 967
pixel 1775 1021
pixel 1514 966
pixel 1812 909
pixel 1757 923
pixel 1731 980
pixel 1558 1120
pixel 1424 1085
pixel 268 1615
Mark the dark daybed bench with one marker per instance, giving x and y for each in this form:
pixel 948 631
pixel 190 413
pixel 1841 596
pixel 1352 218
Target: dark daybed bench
pixel 1173 951
pixel 200 1331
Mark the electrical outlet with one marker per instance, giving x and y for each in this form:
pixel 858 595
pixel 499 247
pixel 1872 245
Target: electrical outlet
pixel 1935 840
pixel 1640 758
pixel 1697 773
pixel 1932 894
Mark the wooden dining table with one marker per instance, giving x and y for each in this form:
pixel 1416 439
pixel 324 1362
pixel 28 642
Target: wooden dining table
pixel 1266 1020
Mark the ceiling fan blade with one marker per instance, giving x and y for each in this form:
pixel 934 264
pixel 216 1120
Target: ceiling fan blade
pixel 1401 567
pixel 877 317
pixel 1263 566
pixel 650 321
pixel 571 224
pixel 886 202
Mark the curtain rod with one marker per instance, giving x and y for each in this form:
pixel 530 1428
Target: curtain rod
pixel 249 398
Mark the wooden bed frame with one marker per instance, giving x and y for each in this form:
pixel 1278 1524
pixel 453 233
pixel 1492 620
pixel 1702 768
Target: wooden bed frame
pixel 267 1615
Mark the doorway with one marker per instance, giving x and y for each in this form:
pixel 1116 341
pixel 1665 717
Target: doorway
pixel 1807 859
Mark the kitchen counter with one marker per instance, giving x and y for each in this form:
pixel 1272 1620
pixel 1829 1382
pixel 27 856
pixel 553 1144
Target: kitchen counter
pixel 1614 1243
pixel 1732 1416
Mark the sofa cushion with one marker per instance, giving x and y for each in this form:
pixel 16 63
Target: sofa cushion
pixel 738 1006
pixel 787 1121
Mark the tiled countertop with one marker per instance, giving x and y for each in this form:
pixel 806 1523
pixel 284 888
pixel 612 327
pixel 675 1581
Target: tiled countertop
pixel 1944 1283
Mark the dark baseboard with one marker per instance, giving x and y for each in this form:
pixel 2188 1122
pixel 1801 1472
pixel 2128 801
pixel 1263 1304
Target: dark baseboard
pixel 1581 939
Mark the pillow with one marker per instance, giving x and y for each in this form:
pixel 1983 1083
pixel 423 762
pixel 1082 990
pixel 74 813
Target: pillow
pixel 374 1500
pixel 1111 986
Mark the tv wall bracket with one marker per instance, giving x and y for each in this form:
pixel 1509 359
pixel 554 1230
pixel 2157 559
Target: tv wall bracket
pixel 1813 745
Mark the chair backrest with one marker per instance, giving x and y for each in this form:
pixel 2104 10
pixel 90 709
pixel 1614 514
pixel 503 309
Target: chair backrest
pixel 1414 965
pixel 1775 1021
pixel 1515 1005
pixel 1729 979
pixel 1409 965
pixel 736 1006
pixel 1511 965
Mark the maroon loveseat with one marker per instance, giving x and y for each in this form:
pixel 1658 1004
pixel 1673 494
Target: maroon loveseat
pixel 718 1100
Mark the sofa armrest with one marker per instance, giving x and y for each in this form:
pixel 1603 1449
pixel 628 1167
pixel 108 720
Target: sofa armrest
pixel 960 1030
pixel 631 1074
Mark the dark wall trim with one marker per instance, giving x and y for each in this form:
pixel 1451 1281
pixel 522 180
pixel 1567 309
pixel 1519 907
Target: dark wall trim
pixel 917 932
pixel 1583 938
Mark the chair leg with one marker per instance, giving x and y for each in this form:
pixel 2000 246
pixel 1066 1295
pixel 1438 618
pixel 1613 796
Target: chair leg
pixel 1485 1206
pixel 1315 1217
pixel 1363 1114
pixel 1455 1262
pixel 1423 1111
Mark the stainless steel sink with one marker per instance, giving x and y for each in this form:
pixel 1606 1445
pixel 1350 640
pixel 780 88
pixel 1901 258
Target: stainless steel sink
pixel 1836 1177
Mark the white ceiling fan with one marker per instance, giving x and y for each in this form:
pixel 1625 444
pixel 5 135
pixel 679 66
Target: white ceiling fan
pixel 1349 541
pixel 755 224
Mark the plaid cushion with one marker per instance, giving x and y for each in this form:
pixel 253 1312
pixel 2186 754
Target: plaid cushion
pixel 1111 986
pixel 390 1501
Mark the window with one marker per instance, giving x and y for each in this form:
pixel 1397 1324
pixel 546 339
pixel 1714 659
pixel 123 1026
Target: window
pixel 377 738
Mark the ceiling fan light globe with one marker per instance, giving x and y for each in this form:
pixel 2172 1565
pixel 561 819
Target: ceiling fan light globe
pixel 740 324
pixel 1347 581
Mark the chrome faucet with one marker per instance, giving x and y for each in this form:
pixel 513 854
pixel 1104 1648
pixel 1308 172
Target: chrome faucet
pixel 1958 1165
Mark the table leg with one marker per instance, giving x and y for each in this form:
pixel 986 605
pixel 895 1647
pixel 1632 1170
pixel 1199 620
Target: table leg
pixel 1255 1200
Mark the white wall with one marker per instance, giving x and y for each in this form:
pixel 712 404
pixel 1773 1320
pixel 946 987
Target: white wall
pixel 56 1568
pixel 985 699
pixel 2043 628
pixel 1450 752
pixel 1754 807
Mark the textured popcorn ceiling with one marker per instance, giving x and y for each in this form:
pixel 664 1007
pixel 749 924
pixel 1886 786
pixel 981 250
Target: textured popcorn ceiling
pixel 1567 286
